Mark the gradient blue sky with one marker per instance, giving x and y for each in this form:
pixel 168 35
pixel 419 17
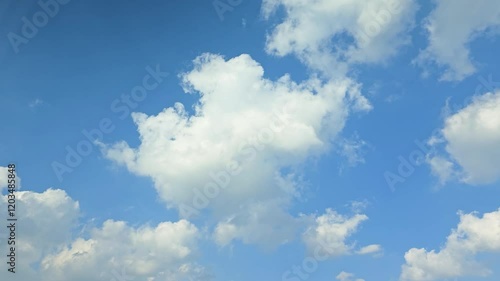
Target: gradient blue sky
pixel 65 79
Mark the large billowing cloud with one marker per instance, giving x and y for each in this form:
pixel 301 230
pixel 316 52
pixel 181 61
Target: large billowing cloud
pixel 331 35
pixel 451 27
pixel 474 235
pixel 46 247
pixel 238 154
pixel 471 138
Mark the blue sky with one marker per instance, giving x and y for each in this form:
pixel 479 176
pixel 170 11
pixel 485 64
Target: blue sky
pixel 352 111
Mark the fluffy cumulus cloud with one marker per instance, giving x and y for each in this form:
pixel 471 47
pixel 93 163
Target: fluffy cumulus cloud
pixel 48 246
pixel 331 35
pixel 451 26
pixel 329 234
pixel 38 214
pixel 346 276
pixel 471 140
pixel 474 235
pixel 117 250
pixel 237 154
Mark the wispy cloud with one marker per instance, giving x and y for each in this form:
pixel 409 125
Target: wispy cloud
pixel 36 103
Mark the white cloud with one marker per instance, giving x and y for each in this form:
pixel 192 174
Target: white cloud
pixel 358 206
pixel 471 138
pixel 451 27
pixel 370 249
pixel 231 154
pixel 38 216
pixel 3 177
pixel 474 235
pixel 441 168
pixel 47 250
pixel 147 253
pixel 330 232
pixel 353 149
pixel 258 225
pixel 331 35
pixel 35 103
pixel 346 276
